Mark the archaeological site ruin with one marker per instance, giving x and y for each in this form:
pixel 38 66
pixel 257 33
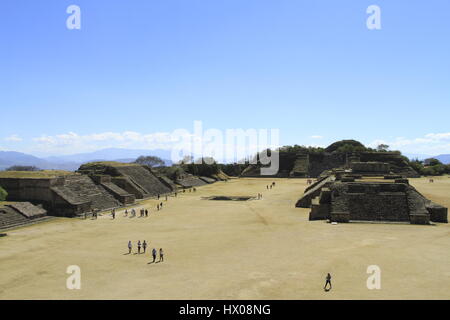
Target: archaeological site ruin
pixel 353 184
pixel 95 186
pixel 341 196
pixel 306 163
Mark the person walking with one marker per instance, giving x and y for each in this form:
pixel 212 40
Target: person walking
pixel 144 245
pixel 327 282
pixel 139 246
pixel 113 213
pixel 154 254
pixel 130 246
pixel 146 213
pixel 161 205
pixel 126 213
pixel 157 207
pixel 161 255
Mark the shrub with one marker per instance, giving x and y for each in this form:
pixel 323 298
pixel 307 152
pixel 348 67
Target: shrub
pixel 3 194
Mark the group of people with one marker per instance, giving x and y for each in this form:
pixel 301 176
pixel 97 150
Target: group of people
pixel 142 213
pixel 159 196
pixel 94 214
pixel 132 213
pixel 144 245
pixel 309 182
pixel 270 186
pixel 140 245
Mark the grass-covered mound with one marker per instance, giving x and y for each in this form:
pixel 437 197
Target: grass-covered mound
pixel 44 174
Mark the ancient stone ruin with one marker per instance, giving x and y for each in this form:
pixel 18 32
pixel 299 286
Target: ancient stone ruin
pixel 133 179
pixel 312 164
pixel 20 213
pixel 95 186
pixel 341 198
pixel 62 194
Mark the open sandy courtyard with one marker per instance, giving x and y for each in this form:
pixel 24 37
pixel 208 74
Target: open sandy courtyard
pixel 258 249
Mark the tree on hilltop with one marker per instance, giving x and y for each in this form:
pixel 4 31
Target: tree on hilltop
pixel 150 161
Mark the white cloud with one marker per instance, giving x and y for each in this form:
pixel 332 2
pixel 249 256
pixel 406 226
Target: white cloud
pixel 431 143
pixel 13 138
pixel 316 137
pixel 72 142
pixel 210 143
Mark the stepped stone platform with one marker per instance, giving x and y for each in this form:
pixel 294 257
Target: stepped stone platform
pixel 313 191
pixel 85 188
pixel 168 183
pixel 20 213
pixel 339 200
pixel 189 181
pixel 135 179
pixel 96 186
pixel 207 179
pixel 28 210
pixel 304 164
pixel 121 195
pixel 60 193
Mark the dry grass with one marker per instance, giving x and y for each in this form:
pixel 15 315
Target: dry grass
pixel 44 174
pixel 108 164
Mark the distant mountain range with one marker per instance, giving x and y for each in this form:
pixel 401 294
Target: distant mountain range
pixel 444 158
pixel 73 162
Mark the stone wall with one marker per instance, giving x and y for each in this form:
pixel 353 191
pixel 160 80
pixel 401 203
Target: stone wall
pixel 371 167
pixel 370 201
pixel 313 164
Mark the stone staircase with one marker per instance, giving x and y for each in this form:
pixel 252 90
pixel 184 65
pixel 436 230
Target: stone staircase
pixel 118 193
pixel 84 187
pixel 10 218
pixel 144 180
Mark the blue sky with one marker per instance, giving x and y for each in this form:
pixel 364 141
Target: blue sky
pixel 137 70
